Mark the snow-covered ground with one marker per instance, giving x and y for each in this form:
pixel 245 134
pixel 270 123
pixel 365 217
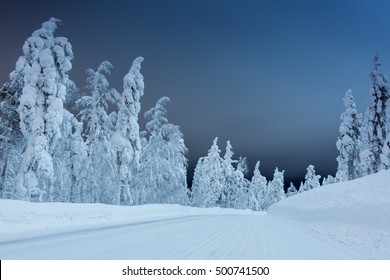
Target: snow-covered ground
pixel 341 221
pixel 355 213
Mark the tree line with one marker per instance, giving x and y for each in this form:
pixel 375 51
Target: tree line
pixel 99 155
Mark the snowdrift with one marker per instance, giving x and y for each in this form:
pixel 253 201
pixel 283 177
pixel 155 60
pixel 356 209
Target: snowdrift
pixel 355 213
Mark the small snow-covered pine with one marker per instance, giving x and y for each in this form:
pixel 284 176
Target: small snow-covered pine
pixel 230 185
pixel 292 190
pixel 275 188
pixel 311 180
pixel 301 187
pixel 258 185
pixel 207 183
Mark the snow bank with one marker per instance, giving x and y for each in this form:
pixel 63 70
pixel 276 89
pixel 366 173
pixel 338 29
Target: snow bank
pixel 355 213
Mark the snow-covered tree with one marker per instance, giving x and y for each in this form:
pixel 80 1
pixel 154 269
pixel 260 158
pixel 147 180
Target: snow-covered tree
pixel 71 163
pixel 62 161
pixel 242 165
pixel 292 190
pixel 178 191
pixel 79 160
pixel 349 142
pixel 207 182
pixel 198 190
pixel 245 194
pixel 11 138
pixel 44 68
pixel 12 142
pixel 126 140
pixel 311 180
pixel 385 155
pixel 230 185
pixel 258 185
pixel 301 187
pixel 367 162
pixel 275 188
pixel 328 180
pixel 102 168
pixel 162 176
pixel 95 104
pixel 376 119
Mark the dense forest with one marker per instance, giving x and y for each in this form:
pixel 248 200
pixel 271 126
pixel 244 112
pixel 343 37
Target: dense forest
pixel 98 153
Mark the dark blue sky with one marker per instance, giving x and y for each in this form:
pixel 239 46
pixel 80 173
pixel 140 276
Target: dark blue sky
pixel 267 75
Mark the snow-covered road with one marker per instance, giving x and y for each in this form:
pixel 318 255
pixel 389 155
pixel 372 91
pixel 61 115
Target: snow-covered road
pixel 348 220
pixel 220 236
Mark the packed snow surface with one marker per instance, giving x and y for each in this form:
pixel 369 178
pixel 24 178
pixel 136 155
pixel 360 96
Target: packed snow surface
pixel 340 221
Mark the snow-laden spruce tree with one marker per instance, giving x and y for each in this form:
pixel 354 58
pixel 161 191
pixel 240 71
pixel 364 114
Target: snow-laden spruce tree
pixel 178 191
pixel 102 169
pixel 275 188
pixel 126 141
pixel 376 119
pixel 144 187
pixel 198 190
pixel 162 176
pixel 292 190
pixel 300 187
pixel 235 191
pixel 229 179
pixel 311 180
pixel 349 142
pixel 207 183
pixel 258 185
pixel 44 67
pixel 245 194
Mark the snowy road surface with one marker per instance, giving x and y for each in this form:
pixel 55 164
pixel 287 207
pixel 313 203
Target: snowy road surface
pixel 240 236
